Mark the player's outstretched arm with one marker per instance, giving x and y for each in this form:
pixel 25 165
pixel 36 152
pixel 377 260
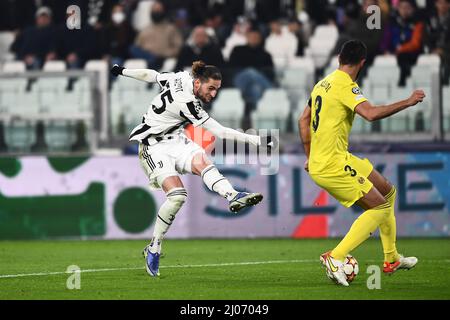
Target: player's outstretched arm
pixel 305 133
pixel 147 75
pixel 227 133
pixel 372 113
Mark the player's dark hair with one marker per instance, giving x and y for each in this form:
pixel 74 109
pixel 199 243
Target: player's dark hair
pixel 205 72
pixel 352 52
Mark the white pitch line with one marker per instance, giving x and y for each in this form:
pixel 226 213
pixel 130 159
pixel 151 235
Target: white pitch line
pixel 162 267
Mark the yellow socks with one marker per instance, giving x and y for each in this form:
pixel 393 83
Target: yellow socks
pixel 388 230
pixel 361 230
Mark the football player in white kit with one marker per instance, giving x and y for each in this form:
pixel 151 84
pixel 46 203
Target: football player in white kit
pixel 165 151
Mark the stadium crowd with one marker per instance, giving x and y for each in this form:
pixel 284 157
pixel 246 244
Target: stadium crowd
pixel 242 37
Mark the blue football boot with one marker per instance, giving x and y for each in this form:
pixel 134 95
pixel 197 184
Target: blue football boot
pixel 151 261
pixel 243 200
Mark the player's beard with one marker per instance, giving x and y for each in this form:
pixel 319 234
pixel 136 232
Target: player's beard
pixel 203 98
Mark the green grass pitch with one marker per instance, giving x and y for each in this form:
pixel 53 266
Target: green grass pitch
pixel 244 269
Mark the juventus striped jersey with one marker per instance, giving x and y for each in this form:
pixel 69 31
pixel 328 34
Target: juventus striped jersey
pixel 173 108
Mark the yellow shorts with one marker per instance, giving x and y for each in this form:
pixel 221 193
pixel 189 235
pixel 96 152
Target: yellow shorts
pixel 347 180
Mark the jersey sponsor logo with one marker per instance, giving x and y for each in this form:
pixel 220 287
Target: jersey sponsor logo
pixel 356 90
pixel 361 180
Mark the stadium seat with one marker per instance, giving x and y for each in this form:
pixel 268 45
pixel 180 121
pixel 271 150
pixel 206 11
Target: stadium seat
pixel 135 64
pixel 6 39
pixel 13 91
pixel 385 61
pixel 128 106
pixel 431 60
pixel 14 66
pixel 402 121
pixel 272 110
pixel 299 75
pixel 169 65
pixel 59 135
pixel 54 66
pixel 228 108
pixel 321 44
pixel 19 135
pixel 125 83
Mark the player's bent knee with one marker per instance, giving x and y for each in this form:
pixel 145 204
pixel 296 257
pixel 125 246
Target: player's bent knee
pixel 177 196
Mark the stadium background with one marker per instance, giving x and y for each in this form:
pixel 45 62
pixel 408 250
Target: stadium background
pixel 64 121
pixel 67 170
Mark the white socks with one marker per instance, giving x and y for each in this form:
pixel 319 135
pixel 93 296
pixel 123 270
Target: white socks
pixel 166 214
pixel 216 182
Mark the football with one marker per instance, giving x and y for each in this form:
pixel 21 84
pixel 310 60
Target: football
pixel 351 268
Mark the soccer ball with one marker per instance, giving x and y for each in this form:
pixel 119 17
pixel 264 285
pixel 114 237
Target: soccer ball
pixel 351 267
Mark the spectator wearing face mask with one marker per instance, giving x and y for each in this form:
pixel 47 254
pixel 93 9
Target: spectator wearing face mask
pixel 158 41
pixel 117 37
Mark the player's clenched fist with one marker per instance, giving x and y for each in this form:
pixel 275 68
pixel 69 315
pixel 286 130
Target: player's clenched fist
pixel 116 70
pixel 416 97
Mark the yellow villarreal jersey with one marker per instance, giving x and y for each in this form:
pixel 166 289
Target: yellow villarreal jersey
pixel 333 101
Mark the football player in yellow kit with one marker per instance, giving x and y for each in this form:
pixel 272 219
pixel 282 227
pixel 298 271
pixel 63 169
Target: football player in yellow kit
pixel 324 129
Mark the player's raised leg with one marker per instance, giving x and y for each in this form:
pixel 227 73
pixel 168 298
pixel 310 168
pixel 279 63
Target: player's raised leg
pixel 388 229
pixel 216 182
pixel 176 195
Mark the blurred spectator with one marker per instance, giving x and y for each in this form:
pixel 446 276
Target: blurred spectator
pixel 199 47
pixel 36 44
pixel 319 11
pixel 215 23
pixel 404 36
pixel 77 46
pixel 238 36
pixel 158 41
pixel 355 27
pixel 438 36
pixel 254 69
pixel 296 28
pixel 281 44
pixel 117 37
pixel 181 21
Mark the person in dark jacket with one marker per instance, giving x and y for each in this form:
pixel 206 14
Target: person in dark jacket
pixel 77 46
pixel 117 36
pixel 36 44
pixel 254 69
pixel 199 47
